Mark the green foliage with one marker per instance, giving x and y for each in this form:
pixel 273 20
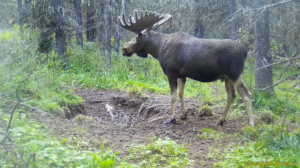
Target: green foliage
pixel 34 75
pixel 205 108
pixel 161 153
pixel 249 133
pixel 277 104
pixel 294 118
pixel 208 133
pixel 135 91
pixel 207 102
pixel 268 117
pixel 82 118
pixel 273 146
pixel 31 142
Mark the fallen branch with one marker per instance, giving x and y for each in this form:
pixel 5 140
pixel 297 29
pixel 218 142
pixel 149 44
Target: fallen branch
pixel 279 82
pixel 12 115
pixel 110 110
pixel 157 105
pixel 6 136
pixel 277 63
pixel 42 113
pixel 140 109
pixel 34 108
pixel 98 101
pixel 155 119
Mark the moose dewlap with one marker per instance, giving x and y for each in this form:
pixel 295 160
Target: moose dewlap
pixel 183 56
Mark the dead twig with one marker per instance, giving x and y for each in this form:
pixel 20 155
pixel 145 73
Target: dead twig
pixel 98 101
pixel 157 105
pixel 140 109
pixel 158 118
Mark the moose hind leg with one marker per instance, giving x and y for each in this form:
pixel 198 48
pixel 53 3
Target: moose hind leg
pixel 247 98
pixel 181 84
pixel 173 87
pixel 230 97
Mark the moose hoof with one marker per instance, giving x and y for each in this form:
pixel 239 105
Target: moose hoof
pixel 221 122
pixel 172 121
pixel 183 116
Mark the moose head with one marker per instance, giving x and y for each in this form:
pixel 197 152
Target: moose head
pixel 142 26
pixel 183 56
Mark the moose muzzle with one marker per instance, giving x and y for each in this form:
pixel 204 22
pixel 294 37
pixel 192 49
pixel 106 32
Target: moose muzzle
pixel 126 52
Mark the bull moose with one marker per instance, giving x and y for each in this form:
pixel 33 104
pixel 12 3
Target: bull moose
pixel 182 55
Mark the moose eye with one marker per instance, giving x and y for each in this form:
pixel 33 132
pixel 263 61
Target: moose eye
pixel 140 35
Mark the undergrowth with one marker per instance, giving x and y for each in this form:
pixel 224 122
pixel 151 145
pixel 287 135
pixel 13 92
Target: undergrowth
pixel 32 146
pixel 160 153
pixel 274 147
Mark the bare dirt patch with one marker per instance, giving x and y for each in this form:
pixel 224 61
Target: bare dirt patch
pixel 138 120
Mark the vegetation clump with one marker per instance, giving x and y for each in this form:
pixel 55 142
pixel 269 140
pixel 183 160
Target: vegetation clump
pixel 208 133
pixel 207 102
pixel 249 133
pixel 135 91
pixel 268 117
pixel 160 153
pixel 205 111
pixel 83 118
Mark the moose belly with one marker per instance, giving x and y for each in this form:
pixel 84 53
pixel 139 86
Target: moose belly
pixel 200 74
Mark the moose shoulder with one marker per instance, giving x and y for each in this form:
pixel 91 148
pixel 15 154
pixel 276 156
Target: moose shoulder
pixel 182 55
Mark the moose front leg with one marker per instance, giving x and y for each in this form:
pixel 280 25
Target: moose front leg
pixel 181 84
pixel 173 87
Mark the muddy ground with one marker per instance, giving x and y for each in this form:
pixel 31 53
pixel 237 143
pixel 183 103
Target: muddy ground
pixel 138 120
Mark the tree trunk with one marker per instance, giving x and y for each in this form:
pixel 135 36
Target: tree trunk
pixel 90 31
pixel 79 22
pixel 61 43
pixel 21 23
pixel 69 32
pixel 117 32
pixel 107 34
pixel 100 20
pixel 263 77
pixel 199 27
pixel 234 25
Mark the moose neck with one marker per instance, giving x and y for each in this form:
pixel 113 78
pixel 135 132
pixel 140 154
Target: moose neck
pixel 154 43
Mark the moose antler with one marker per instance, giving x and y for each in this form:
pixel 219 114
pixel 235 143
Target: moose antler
pixel 138 24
